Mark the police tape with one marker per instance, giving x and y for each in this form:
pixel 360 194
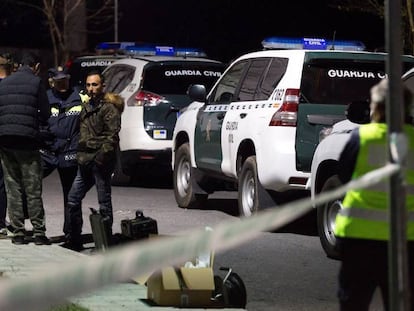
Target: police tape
pixel 52 284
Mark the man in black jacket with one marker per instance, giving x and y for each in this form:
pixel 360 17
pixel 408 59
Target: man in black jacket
pixel 23 105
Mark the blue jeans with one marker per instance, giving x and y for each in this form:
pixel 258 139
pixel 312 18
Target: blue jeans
pixel 87 176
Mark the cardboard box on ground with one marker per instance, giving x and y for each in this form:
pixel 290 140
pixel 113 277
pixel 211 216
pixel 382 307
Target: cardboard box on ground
pixel 182 287
pixel 191 285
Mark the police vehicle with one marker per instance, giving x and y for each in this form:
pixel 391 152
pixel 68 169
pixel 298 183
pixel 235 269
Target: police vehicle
pixel 257 129
pixel 324 163
pixel 153 81
pixel 105 54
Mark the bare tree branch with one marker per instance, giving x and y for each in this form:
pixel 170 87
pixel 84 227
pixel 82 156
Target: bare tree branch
pixel 67 19
pixel 376 8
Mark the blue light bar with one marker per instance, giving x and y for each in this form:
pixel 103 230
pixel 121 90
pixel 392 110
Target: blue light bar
pixel 163 51
pixel 190 52
pixel 113 45
pixel 311 44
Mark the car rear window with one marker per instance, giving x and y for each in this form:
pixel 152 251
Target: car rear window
pixel 163 78
pixel 339 81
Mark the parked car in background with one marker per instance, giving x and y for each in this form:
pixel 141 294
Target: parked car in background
pixel 256 131
pixel 105 54
pixel 325 162
pixel 153 81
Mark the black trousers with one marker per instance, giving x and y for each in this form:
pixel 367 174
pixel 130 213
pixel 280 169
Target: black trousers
pixel 67 176
pixel 364 267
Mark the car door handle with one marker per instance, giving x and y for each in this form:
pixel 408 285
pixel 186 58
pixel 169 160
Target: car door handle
pixel 243 115
pixel 220 116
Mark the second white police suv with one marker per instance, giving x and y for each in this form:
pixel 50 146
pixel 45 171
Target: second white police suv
pixel 256 131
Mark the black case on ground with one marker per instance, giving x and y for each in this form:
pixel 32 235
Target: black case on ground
pixel 101 230
pixel 140 227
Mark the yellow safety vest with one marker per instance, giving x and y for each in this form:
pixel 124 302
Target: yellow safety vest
pixel 365 211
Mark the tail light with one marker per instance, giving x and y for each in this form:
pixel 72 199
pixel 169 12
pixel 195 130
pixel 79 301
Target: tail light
pixel 69 63
pixel 287 114
pixel 144 98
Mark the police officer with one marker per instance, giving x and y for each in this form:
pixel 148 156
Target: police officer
pixel 62 134
pixel 361 226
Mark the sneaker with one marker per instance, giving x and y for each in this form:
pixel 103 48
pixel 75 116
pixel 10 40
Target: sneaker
pixel 41 240
pixel 3 233
pixel 19 240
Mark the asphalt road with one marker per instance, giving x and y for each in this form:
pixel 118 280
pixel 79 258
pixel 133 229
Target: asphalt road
pixel 282 270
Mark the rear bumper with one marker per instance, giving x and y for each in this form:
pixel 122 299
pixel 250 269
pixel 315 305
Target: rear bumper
pixel 131 159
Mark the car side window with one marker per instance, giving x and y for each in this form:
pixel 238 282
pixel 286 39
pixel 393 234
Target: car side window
pixel 226 88
pixel 272 77
pixel 249 89
pixel 118 77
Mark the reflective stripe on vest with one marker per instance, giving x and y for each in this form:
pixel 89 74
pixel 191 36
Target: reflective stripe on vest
pixel 365 211
pixel 370 214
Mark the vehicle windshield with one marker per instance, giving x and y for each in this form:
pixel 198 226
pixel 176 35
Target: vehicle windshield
pixel 176 78
pixel 338 82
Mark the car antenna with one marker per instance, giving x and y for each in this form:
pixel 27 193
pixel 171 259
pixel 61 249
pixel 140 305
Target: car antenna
pixel 333 41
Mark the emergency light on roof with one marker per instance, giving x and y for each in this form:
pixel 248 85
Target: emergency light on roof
pixel 163 51
pixel 311 44
pixel 105 46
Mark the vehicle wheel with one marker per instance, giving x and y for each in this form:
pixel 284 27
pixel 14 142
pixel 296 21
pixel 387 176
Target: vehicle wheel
pixel 184 193
pixel 326 215
pixel 248 189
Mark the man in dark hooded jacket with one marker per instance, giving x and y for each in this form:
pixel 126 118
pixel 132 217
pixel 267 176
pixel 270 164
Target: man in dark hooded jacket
pixel 100 123
pixel 23 106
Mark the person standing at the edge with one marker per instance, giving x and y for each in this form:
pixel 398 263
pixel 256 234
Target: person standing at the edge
pixel 23 106
pixel 362 225
pixel 100 123
pixel 6 67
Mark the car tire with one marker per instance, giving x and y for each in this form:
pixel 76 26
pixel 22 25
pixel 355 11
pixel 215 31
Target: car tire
pixel 326 214
pixel 183 180
pixel 248 188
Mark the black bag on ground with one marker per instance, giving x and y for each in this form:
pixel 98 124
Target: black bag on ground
pixel 230 292
pixel 138 228
pixel 101 230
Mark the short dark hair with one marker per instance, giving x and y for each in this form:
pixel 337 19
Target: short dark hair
pixel 96 72
pixel 30 59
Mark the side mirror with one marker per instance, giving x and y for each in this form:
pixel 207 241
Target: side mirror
pixel 358 112
pixel 197 92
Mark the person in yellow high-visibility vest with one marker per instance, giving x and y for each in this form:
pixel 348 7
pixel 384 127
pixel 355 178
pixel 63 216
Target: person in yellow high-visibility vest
pixel 362 225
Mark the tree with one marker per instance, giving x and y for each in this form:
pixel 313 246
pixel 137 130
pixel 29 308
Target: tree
pixel 70 21
pixel 377 8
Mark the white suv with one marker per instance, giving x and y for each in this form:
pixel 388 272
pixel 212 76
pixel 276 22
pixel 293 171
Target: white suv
pixel 257 129
pixel 153 82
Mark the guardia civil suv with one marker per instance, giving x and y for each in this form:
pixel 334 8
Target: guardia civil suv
pixel 257 129
pixel 325 162
pixel 153 81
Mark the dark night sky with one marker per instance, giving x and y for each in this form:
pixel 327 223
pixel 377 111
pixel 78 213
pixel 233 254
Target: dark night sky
pixel 225 29
pixel 228 28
